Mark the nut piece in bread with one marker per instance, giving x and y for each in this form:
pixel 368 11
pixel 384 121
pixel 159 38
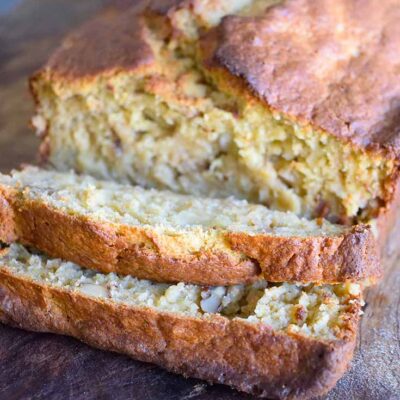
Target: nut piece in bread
pixel 168 237
pixel 222 98
pixel 276 341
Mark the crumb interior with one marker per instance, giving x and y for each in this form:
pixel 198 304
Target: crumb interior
pixel 316 311
pixel 162 210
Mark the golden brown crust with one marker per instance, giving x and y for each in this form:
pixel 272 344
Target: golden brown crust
pixel 7 220
pixel 146 254
pixel 249 357
pixel 330 64
pixel 328 259
pixel 114 41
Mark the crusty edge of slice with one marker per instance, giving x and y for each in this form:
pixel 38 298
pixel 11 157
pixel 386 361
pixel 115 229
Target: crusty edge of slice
pixel 148 254
pixel 249 357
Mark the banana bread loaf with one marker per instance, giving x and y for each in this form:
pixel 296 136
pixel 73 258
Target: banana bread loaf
pixel 293 105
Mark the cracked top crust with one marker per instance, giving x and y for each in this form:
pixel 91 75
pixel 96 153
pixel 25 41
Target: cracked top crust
pixel 334 65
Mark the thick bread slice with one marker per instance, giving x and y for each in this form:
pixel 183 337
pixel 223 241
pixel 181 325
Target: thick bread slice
pixel 293 106
pixel 284 342
pixel 167 237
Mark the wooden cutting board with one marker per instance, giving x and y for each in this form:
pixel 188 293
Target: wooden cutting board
pixel 45 366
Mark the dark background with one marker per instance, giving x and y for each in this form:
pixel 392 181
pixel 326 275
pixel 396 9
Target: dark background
pixel 45 366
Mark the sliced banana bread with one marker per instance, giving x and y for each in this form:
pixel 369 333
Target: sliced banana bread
pixel 276 341
pixel 166 237
pixel 293 105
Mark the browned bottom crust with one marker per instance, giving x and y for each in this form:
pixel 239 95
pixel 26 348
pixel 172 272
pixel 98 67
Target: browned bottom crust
pixel 249 357
pixel 146 254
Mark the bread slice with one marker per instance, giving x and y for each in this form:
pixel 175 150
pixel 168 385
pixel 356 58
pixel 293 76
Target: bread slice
pixel 217 99
pixel 277 341
pixel 168 237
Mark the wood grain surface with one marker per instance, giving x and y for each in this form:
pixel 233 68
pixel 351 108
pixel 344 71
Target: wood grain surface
pixel 44 366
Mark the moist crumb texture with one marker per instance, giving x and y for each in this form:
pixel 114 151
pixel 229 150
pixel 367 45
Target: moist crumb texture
pixel 161 210
pixel 317 311
pixel 162 111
